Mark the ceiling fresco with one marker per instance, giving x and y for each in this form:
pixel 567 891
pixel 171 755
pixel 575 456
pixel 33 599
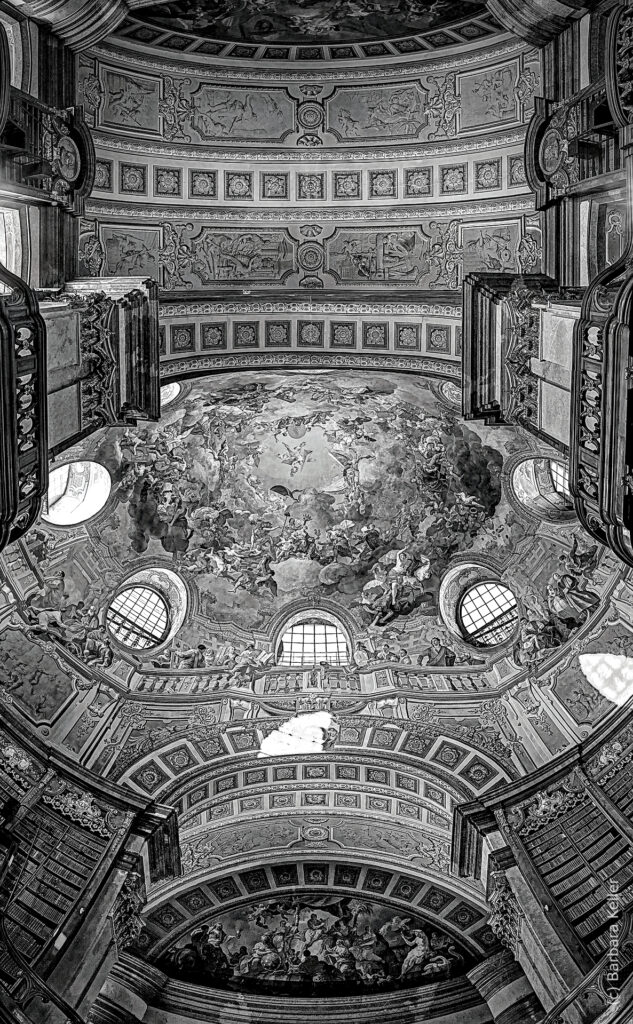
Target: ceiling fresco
pixel 308 21
pixel 363 491
pixel 360 488
pixel 306 945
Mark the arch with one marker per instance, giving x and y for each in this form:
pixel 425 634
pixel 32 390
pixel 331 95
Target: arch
pixel 77 491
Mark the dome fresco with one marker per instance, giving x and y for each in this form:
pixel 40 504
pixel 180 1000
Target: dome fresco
pixel 360 488
pixel 364 492
pixel 308 21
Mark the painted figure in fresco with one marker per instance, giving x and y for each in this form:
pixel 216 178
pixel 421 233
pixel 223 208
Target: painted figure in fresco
pixel 438 655
pixel 570 602
pixel 537 637
pixel 128 102
pixel 193 657
pixel 398 252
pixel 303 21
pixel 418 953
pixel 580 564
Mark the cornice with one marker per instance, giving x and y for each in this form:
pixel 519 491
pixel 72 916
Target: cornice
pixel 198 365
pixel 227 214
pixel 316 306
pixel 422 151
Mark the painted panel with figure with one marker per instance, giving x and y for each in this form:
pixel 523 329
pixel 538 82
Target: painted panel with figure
pixel 245 114
pixel 325 945
pixel 131 251
pixel 490 247
pixel 400 255
pixel 489 97
pixel 382 112
pixel 130 101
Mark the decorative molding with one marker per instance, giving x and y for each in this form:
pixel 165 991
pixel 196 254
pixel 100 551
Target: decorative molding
pixel 78 806
pixel 419 151
pixel 202 364
pixel 506 917
pixel 137 211
pixel 386 308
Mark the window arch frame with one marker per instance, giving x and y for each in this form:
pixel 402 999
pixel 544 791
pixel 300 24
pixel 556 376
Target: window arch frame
pixel 104 472
pixel 473 636
pixel 554 504
pixel 155 641
pixel 306 617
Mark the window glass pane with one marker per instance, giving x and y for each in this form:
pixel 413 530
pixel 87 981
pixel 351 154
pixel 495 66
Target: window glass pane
pixel 488 614
pixel 138 617
pixel 560 478
pixel 308 643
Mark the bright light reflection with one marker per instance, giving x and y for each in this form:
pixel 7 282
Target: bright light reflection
pixel 305 734
pixel 169 393
pixel 610 674
pixel 76 492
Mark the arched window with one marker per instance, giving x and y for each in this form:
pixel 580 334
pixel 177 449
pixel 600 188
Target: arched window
pixel 76 492
pixel 138 617
pixel 311 641
pixel 542 487
pixel 488 614
pixel 169 393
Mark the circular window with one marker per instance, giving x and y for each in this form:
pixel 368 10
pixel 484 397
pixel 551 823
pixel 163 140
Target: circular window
pixel 169 393
pixel 76 492
pixel 138 618
pixel 542 487
pixel 312 641
pixel 488 614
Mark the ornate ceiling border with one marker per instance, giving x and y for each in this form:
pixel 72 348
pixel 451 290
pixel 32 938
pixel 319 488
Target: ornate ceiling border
pixel 484 56
pixel 476 30
pixel 200 365
pixel 450 147
pixel 226 215
pixel 316 306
